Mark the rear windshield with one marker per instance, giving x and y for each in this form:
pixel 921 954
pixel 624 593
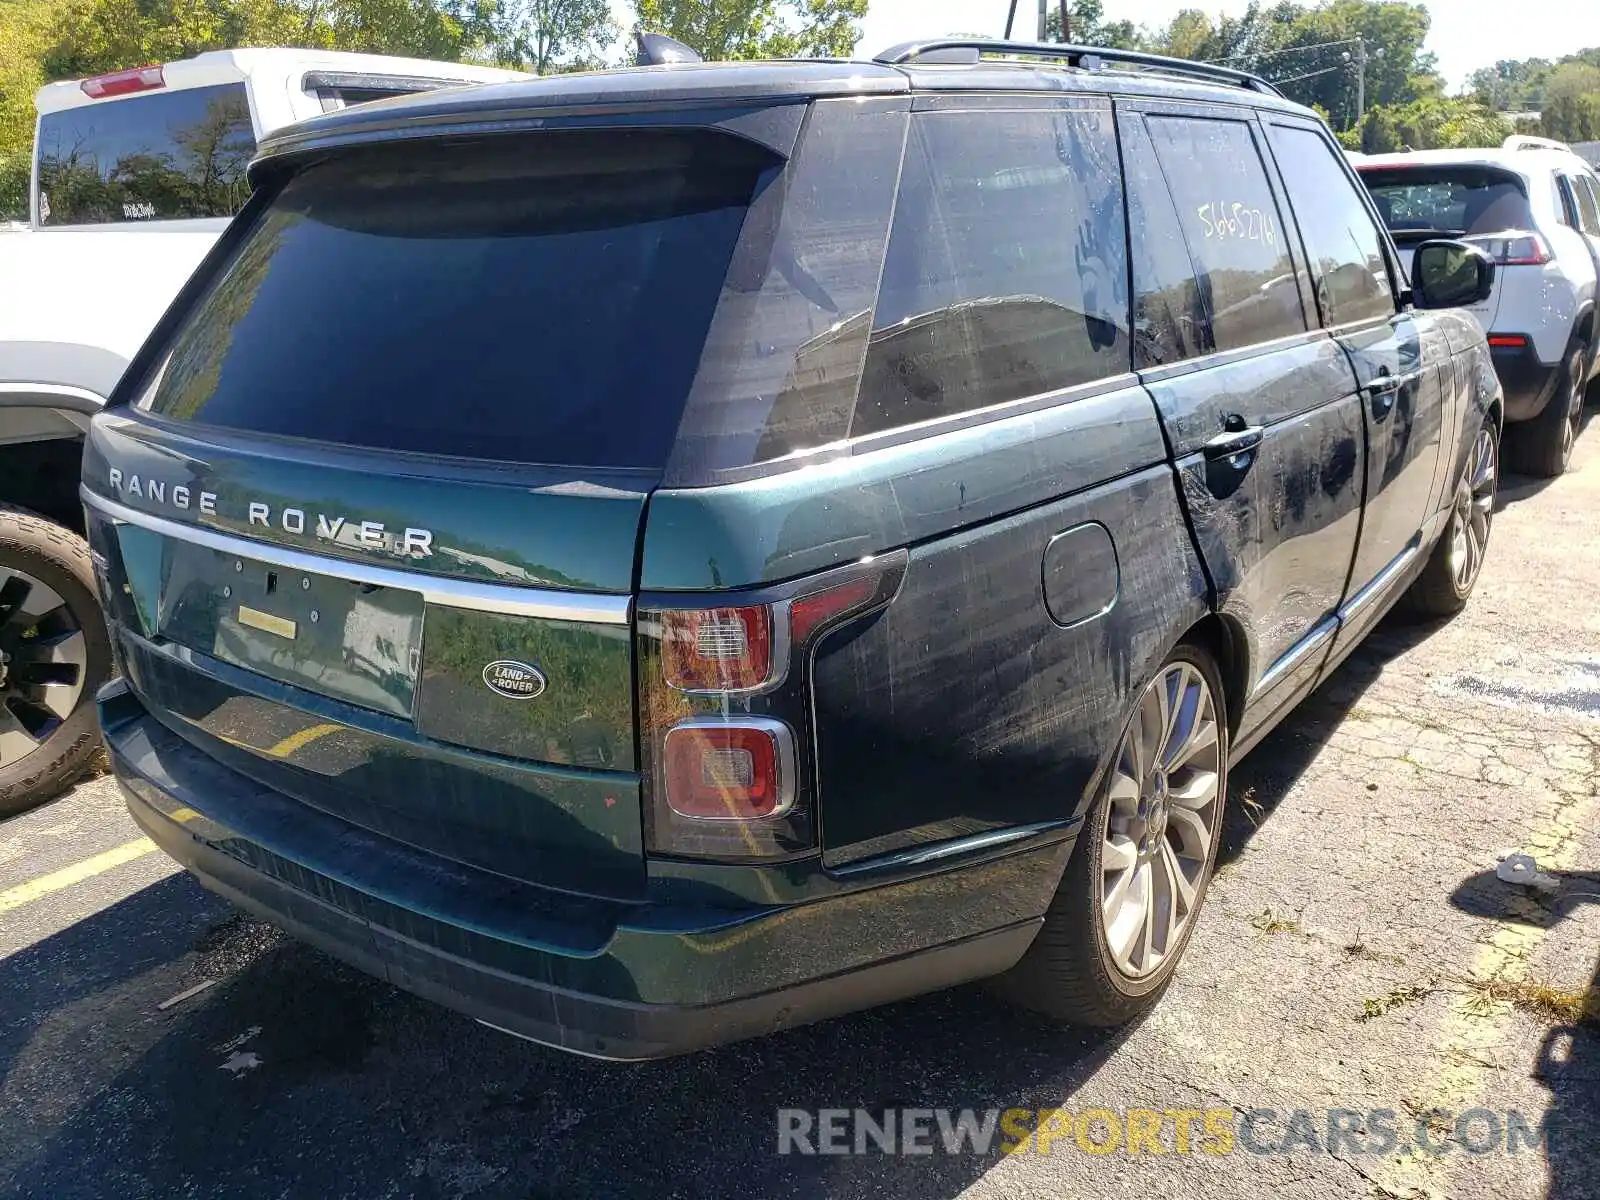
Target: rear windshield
pixel 1417 202
pixel 538 299
pixel 157 157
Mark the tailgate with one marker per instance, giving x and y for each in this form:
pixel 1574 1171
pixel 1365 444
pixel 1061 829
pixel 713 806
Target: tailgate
pixel 370 523
pixel 344 669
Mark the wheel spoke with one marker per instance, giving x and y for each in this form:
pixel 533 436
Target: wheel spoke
pixel 1202 736
pixel 24 600
pixel 1147 938
pixel 1195 792
pixel 1179 713
pixel 1127 917
pixel 68 649
pixel 1118 854
pixel 1124 790
pixel 1182 888
pixel 1192 830
pixel 15 740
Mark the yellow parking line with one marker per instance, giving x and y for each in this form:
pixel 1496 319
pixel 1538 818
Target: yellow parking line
pixel 26 893
pixel 304 738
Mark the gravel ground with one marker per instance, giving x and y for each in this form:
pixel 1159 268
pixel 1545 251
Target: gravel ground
pixel 1357 954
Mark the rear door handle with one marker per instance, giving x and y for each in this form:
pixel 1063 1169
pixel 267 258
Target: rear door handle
pixel 1390 384
pixel 1232 443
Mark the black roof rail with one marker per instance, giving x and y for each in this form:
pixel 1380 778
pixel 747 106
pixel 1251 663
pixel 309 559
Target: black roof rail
pixel 970 50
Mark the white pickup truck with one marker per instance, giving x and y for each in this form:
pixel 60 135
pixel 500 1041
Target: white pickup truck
pixel 135 175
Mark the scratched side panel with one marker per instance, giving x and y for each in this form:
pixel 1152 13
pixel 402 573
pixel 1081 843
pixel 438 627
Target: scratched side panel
pixel 897 490
pixel 964 707
pixel 1277 529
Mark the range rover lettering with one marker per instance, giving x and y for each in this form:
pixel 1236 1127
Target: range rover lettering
pixel 839 524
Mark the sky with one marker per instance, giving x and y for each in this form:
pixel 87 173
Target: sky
pixel 1466 34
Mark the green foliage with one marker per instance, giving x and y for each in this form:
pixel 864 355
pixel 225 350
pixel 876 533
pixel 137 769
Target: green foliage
pixel 42 40
pixel 1289 43
pixel 552 35
pixel 1432 123
pixel 722 30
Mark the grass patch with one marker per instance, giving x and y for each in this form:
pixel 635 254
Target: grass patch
pixel 1377 1006
pixel 1268 921
pixel 1543 1001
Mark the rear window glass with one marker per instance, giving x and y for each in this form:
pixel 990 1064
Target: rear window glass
pixel 157 157
pixel 1444 200
pixel 1006 273
pixel 538 299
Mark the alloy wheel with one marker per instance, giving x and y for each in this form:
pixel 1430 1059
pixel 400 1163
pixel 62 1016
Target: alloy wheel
pixel 44 663
pixel 1474 510
pixel 1574 414
pixel 1161 817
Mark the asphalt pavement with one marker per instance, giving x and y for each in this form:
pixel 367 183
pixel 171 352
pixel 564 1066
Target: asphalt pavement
pixel 1359 980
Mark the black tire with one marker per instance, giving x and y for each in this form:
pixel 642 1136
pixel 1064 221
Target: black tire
pixel 1452 570
pixel 1542 447
pixel 34 551
pixel 1069 973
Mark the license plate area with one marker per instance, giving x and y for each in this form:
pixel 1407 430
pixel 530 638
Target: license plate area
pixel 351 641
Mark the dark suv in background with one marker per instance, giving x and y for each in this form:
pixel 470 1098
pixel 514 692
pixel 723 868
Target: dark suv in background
pixel 654 557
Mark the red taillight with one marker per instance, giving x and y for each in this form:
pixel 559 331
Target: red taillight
pixel 717 649
pixel 120 83
pixel 811 612
pixel 729 771
pixel 1508 341
pixel 726 731
pixel 1515 249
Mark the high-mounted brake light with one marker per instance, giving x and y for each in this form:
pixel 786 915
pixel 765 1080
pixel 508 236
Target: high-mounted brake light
pixel 120 83
pixel 1515 249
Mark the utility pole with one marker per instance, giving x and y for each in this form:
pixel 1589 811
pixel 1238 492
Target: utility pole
pixel 1361 79
pixel 1044 20
pixel 1011 19
pixel 1066 24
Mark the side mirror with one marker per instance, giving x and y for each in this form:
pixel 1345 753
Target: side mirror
pixel 1446 274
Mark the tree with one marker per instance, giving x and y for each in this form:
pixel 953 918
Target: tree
pixel 548 35
pixel 720 30
pixel 1432 123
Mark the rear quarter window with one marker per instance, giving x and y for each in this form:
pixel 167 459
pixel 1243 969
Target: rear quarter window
pixel 1006 271
pixel 164 156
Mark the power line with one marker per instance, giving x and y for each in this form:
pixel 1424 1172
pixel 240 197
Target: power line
pixel 1311 74
pixel 1286 50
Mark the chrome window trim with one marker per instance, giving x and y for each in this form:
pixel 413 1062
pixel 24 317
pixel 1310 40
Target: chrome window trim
pixel 448 593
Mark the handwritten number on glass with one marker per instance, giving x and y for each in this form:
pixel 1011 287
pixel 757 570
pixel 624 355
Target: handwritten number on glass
pixel 1236 220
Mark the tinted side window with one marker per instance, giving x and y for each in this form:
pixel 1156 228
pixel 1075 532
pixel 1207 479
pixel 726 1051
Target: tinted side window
pixel 1588 206
pixel 1342 243
pixel 1232 227
pixel 1566 202
pixel 1006 271
pixel 164 156
pixel 1170 321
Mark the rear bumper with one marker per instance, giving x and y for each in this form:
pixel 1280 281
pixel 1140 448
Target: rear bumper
pixel 665 979
pixel 1528 383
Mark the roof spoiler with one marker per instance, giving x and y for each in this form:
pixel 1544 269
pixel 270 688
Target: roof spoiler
pixel 1523 141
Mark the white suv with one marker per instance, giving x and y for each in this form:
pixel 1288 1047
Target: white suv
pixel 1534 205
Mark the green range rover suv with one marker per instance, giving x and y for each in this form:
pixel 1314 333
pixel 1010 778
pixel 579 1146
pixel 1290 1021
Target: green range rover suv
pixel 655 557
